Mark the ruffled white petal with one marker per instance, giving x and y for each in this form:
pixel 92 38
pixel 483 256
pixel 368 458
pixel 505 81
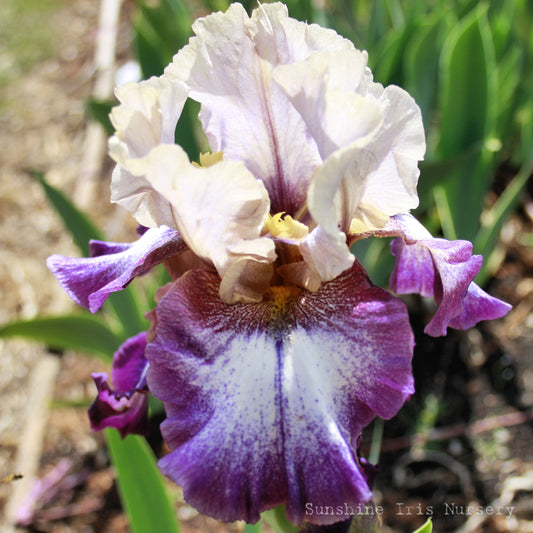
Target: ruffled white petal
pixel 334 193
pixel 146 117
pixel 220 212
pixel 392 157
pixel 377 179
pixel 325 90
pixel 148 114
pixel 149 208
pixel 326 255
pixel 370 138
pixel 228 67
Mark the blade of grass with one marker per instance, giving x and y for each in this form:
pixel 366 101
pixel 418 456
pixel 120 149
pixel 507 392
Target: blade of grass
pixel 377 439
pixel 427 527
pixel 492 221
pixel 150 60
pixel 278 521
pixel 468 110
pixel 79 226
pixel 252 528
pixel 143 494
pixel 421 64
pixel 124 304
pixel 465 85
pixel 85 333
pixel 99 111
pixel 160 30
pixel 442 201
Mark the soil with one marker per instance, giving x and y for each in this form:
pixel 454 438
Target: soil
pixel 468 462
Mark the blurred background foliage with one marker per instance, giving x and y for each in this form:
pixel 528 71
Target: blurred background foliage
pixel 21 49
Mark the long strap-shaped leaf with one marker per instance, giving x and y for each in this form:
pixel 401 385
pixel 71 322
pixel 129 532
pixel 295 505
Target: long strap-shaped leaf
pixel 124 304
pixel 140 484
pixel 85 333
pixel 144 496
pixel 468 111
pixel 493 220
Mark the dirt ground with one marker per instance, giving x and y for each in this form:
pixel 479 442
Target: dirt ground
pixel 466 471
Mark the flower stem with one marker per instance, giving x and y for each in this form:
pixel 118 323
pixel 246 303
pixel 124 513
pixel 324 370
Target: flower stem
pixel 377 438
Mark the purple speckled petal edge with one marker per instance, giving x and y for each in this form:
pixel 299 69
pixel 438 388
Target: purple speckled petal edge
pixel 89 281
pixel 442 269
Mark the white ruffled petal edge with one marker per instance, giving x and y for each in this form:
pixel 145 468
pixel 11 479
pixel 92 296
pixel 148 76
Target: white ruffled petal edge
pixel 146 117
pixel 220 211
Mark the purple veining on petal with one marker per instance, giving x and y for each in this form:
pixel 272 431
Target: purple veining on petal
pixel 442 269
pixel 125 406
pixel 228 68
pixel 89 281
pixel 100 248
pixel 265 402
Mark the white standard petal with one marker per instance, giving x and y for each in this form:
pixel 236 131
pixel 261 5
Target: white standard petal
pixel 147 114
pixel 325 89
pixel 390 160
pixel 371 140
pixel 220 212
pixel 326 255
pixel 333 196
pixel 228 67
pixel 146 117
pixel 329 90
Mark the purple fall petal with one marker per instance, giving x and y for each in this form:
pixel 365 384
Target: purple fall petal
pixel 478 305
pixel 112 266
pixel 413 271
pixel 126 406
pixel 265 402
pixel 442 269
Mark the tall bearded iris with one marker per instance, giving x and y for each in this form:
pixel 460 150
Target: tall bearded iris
pixel 270 349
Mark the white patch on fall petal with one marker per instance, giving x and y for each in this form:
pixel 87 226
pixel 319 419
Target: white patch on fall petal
pixel 265 402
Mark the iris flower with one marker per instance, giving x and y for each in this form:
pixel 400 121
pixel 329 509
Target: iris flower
pixel 271 349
